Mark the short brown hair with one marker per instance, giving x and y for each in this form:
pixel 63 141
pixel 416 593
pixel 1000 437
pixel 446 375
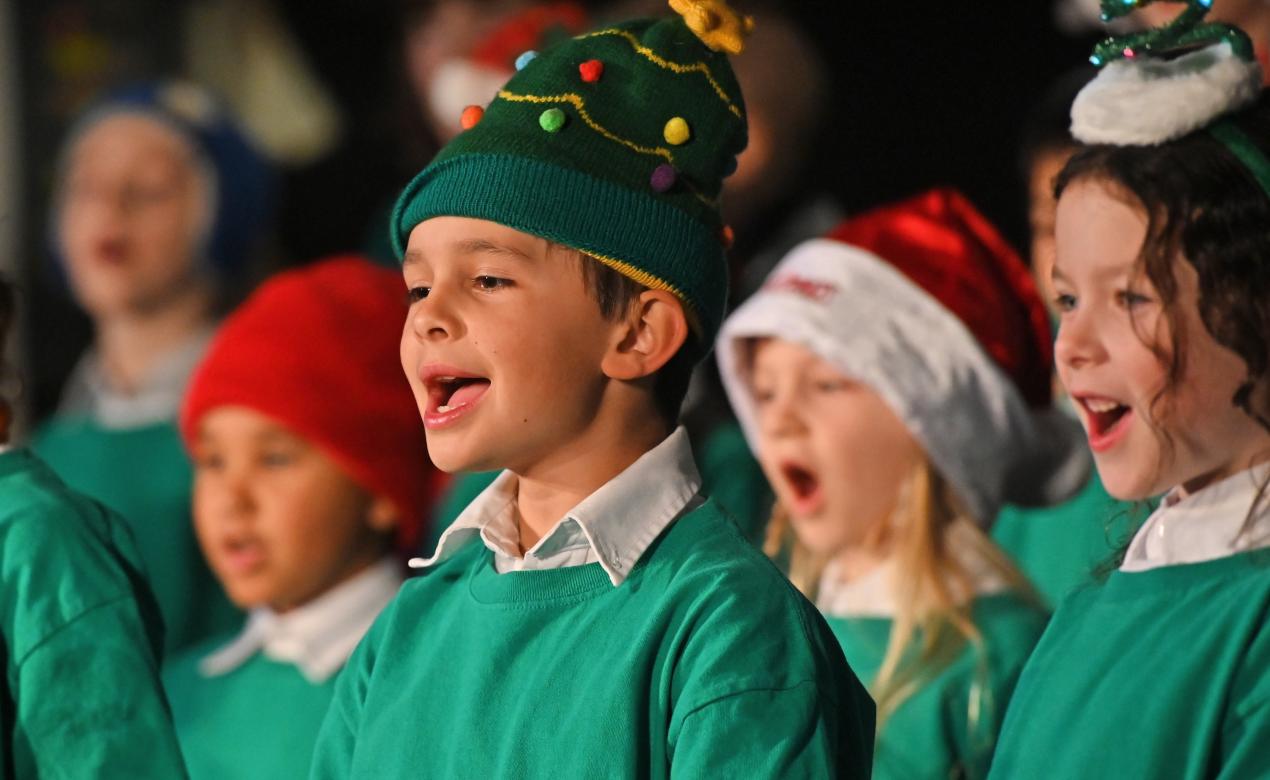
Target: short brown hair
pixel 616 294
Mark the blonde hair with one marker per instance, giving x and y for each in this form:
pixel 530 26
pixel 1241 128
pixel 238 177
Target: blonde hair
pixel 934 593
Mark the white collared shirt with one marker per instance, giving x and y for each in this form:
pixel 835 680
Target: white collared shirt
pixel 317 637
pixel 614 525
pixel 873 595
pixel 1201 526
pixel 158 398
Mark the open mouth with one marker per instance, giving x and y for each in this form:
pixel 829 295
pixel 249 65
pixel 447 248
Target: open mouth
pixel 804 487
pixel 1106 420
pixel 448 393
pixel 112 251
pixel 242 554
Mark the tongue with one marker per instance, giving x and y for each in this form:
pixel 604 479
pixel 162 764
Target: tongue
pixel 468 393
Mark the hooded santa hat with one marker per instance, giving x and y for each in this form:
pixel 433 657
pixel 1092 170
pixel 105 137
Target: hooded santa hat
pixel 925 303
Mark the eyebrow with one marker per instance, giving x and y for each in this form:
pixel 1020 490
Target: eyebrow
pixel 481 246
pixel 1102 273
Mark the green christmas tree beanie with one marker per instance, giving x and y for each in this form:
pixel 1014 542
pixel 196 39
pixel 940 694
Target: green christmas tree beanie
pixel 615 143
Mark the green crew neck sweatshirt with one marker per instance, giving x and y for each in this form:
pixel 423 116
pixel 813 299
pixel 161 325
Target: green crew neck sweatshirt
pixel 144 475
pixel 705 661
pixel 932 732
pixel 79 638
pixel 1153 674
pixel 259 720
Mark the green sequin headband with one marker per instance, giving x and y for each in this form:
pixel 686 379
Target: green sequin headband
pixel 1188 30
pixel 1245 150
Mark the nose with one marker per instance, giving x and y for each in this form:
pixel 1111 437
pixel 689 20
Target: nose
pixel 1077 343
pixel 781 415
pixel 434 318
pixel 237 500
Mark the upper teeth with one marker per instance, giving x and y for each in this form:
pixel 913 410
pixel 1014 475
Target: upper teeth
pixel 1098 407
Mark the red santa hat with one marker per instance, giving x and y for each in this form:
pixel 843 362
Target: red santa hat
pixel 472 81
pixel 318 350
pixel 926 303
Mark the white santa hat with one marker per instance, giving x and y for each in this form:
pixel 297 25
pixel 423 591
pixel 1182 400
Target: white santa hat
pixel 925 303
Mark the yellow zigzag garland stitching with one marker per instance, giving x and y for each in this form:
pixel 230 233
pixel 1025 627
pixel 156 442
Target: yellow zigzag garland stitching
pixel 577 102
pixel 696 67
pixel 653 283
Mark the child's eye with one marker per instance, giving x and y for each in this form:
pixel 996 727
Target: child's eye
pixel 1129 298
pixel 277 459
pixel 212 462
pixel 1064 302
pixel 489 283
pixel 416 294
pixel 832 385
pixel 763 396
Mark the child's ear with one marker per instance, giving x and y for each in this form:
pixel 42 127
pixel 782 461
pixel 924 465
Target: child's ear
pixel 382 516
pixel 650 335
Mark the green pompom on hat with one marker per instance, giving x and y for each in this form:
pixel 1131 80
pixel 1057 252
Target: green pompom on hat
pixel 615 143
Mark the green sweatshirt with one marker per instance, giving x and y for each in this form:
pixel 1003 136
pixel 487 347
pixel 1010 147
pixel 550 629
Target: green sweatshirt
pixel 258 721
pixel 704 662
pixel 1059 547
pixel 145 476
pixel 1153 674
pixel 930 734
pixel 79 638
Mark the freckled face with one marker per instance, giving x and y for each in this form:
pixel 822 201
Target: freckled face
pixel 502 345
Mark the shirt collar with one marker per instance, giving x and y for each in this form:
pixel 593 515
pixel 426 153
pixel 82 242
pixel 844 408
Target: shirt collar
pixel 317 637
pixel 617 522
pixel 157 399
pixel 1201 526
pixel 873 595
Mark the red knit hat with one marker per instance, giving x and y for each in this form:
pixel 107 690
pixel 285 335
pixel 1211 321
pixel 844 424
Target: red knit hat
pixel 318 350
pixel 924 302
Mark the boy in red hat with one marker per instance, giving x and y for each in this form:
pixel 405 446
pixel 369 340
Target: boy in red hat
pixel 80 633
pixel 591 613
pixel 310 471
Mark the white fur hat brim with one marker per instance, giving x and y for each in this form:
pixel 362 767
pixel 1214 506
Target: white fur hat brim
pixel 874 325
pixel 1146 101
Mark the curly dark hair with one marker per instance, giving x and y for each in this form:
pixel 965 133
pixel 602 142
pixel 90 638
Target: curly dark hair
pixel 1202 204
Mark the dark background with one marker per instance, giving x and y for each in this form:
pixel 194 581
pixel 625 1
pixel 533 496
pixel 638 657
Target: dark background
pixel 924 93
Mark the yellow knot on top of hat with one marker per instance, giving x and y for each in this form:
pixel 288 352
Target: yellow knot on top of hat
pixel 717 25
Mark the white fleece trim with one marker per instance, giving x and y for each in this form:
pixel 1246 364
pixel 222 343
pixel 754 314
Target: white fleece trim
pixel 873 324
pixel 1146 101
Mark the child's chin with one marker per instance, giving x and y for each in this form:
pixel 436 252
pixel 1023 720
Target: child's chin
pixel 452 461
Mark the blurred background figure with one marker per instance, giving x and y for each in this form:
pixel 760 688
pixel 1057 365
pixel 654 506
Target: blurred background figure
pixel 159 200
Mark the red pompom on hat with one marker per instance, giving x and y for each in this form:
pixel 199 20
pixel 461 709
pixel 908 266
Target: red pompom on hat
pixel 925 303
pixel 318 350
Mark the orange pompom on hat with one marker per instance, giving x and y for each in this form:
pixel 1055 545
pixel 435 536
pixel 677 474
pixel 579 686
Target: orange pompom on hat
pixel 318 350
